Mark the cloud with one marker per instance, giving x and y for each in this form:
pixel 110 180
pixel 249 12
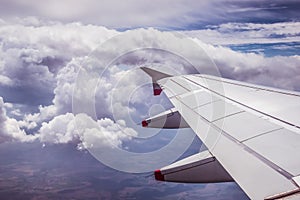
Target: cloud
pixel 277 71
pixel 248 33
pixel 64 63
pixel 10 129
pixel 59 78
pixel 113 14
pixel 40 61
pixel 181 14
pixel 31 61
pixel 85 131
pixel 66 128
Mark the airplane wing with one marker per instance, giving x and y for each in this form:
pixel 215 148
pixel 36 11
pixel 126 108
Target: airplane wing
pixel 252 133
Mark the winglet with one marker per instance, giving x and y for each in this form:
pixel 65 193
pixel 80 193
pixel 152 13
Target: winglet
pixel 155 75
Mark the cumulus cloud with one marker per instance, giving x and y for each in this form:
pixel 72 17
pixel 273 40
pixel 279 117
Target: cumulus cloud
pixel 50 58
pixel 66 128
pixel 85 131
pixel 10 129
pixel 30 61
pixel 277 71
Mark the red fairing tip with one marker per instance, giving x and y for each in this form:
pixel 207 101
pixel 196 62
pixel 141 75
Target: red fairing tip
pixel 144 123
pixel 157 91
pixel 158 175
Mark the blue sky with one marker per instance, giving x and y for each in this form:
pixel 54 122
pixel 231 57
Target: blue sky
pixel 53 54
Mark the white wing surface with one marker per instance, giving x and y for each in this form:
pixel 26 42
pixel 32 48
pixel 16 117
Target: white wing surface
pixel 252 134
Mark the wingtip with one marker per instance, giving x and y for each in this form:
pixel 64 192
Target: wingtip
pixel 155 74
pixel 157 92
pixel 158 175
pixel 144 123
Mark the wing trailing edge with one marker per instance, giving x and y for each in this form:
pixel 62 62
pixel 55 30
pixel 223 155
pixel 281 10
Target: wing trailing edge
pixel 199 168
pixel 170 119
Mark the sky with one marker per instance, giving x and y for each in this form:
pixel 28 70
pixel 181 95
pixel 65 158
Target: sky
pixel 72 95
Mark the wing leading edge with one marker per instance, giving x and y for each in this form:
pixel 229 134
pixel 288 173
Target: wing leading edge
pixel 251 131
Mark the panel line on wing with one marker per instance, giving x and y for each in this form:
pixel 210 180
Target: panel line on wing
pixel 259 156
pixel 244 146
pixel 262 134
pixel 269 163
pixel 259 145
pixel 170 85
pixel 258 111
pixel 193 165
pixel 228 116
pixel 181 85
pixel 250 86
pixel 198 98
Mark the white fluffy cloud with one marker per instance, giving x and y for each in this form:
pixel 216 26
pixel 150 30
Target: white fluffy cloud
pixel 10 129
pixel 85 131
pixel 31 56
pixel 278 71
pixel 48 57
pixel 66 128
